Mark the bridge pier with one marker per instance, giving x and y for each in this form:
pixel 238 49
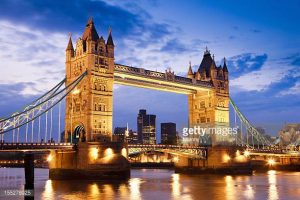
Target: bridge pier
pixel 220 160
pixel 29 175
pixel 90 161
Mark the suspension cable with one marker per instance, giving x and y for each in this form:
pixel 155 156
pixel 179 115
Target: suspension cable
pixel 32 125
pixel 50 137
pixel 26 108
pixel 39 131
pixel 46 130
pixel 71 86
pixel 59 109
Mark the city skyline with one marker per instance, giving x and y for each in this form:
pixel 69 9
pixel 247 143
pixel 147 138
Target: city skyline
pixel 256 47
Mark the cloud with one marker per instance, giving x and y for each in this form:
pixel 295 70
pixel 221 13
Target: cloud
pixel 31 56
pixel 261 79
pixel 294 90
pixel 244 63
pixel 251 72
pixel 174 46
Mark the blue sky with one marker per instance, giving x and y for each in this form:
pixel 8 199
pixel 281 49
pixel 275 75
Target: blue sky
pixel 260 40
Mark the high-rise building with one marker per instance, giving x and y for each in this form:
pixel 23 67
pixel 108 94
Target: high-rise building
pixel 168 133
pixel 146 128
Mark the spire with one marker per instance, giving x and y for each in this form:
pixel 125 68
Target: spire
pixel 225 66
pixel 70 44
pixel 90 31
pixel 190 72
pixel 206 52
pixel 127 131
pixel 110 39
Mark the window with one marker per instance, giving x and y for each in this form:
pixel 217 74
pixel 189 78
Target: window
pixel 202 119
pixel 202 104
pixel 77 107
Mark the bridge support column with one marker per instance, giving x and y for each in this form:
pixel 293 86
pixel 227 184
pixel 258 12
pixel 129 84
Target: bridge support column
pixel 91 161
pixel 220 160
pixel 29 175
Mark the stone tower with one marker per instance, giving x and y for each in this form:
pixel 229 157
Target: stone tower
pixel 90 105
pixel 210 108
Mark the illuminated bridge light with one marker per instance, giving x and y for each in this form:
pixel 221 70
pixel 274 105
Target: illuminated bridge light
pixel 49 158
pixel 246 153
pixel 271 162
pixel 94 153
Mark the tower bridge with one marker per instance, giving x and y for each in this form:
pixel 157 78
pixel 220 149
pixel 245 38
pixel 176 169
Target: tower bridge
pixel 87 90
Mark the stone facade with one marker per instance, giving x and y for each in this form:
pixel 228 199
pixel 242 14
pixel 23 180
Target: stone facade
pixel 89 106
pixel 210 108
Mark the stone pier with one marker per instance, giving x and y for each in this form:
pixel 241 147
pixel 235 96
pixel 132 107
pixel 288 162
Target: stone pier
pixel 90 161
pixel 220 160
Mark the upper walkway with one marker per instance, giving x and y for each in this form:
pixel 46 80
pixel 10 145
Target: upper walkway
pixel 168 81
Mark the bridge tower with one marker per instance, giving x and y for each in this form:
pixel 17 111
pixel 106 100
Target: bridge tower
pixel 89 107
pixel 210 108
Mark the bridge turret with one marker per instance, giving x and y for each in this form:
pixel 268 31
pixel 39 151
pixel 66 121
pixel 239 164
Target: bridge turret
pixel 110 44
pixel 89 108
pixel 69 56
pixel 90 36
pixel 225 70
pixel 69 49
pixel 213 69
pixel 190 72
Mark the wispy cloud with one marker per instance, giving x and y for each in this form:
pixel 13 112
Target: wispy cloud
pixel 294 90
pixel 33 58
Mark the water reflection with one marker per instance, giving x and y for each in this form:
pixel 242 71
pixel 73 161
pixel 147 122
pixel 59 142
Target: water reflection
pixel 94 190
pixel 161 184
pixel 175 186
pixel 230 189
pixel 134 184
pixel 249 192
pixel 273 193
pixel 48 192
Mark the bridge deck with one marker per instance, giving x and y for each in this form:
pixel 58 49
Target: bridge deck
pixel 12 147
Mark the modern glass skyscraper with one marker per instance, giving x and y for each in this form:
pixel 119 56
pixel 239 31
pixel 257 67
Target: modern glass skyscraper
pixel 168 133
pixel 146 127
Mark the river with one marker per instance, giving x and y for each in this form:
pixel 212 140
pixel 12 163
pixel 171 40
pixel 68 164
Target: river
pixel 158 184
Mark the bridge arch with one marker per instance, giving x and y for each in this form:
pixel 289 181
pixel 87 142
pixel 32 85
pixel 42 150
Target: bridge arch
pixel 79 133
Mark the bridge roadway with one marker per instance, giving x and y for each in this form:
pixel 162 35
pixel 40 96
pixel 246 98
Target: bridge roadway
pixel 197 152
pixel 15 147
pixel 184 151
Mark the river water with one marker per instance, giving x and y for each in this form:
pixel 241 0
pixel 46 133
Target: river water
pixel 158 184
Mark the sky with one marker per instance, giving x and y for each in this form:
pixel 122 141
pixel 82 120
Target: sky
pixel 260 40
